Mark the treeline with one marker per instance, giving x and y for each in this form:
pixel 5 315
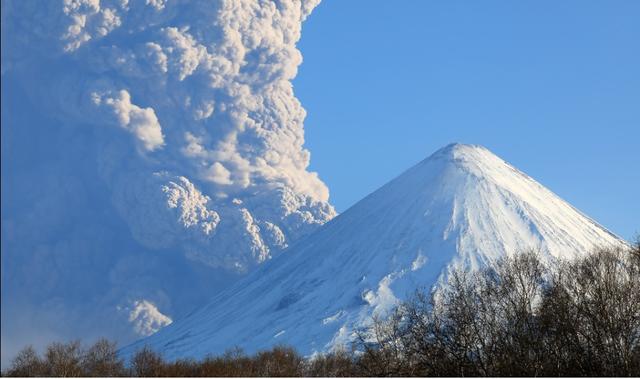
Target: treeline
pixel 520 318
pixel 101 360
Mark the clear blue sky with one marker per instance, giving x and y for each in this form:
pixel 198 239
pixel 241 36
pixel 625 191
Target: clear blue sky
pixel 553 87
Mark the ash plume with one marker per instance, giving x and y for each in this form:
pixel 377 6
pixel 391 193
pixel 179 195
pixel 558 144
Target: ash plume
pixel 145 141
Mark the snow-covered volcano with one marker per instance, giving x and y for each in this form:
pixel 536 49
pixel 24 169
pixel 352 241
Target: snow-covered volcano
pixel 461 206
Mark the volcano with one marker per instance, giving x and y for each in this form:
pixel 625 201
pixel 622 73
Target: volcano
pixel 463 207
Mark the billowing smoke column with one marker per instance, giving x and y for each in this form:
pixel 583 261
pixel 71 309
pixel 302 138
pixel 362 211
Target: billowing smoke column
pixel 141 136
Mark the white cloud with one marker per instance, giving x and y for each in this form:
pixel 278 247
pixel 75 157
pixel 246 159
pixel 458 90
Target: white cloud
pixel 87 19
pixel 218 174
pixel 141 122
pixel 192 205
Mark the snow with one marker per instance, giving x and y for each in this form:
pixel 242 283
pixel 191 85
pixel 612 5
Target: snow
pixel 419 262
pixel 461 207
pixel 146 318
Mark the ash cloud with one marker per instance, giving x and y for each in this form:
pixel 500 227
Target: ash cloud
pixel 143 140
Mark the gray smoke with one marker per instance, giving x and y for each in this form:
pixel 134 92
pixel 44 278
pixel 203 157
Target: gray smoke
pixel 146 141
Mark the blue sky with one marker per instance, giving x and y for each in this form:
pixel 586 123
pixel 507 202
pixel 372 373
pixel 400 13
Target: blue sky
pixel 551 87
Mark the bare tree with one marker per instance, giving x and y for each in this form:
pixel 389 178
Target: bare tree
pixel 381 346
pixel 593 313
pixel 102 359
pixel 26 364
pixel 518 318
pixel 339 363
pixel 280 361
pixel 64 359
pixel 147 363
